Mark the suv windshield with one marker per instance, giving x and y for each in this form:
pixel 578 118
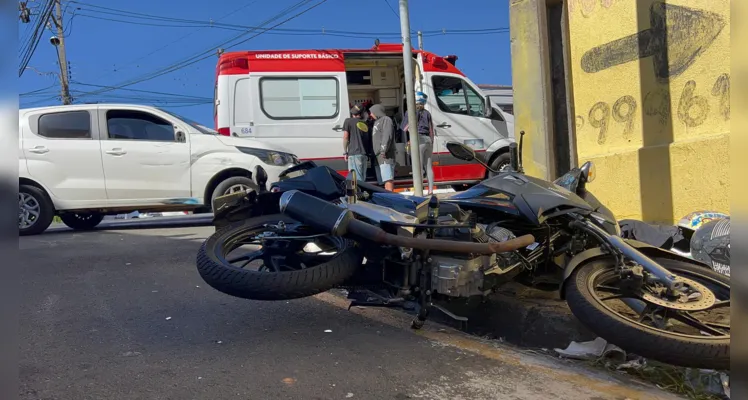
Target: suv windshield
pixel 196 125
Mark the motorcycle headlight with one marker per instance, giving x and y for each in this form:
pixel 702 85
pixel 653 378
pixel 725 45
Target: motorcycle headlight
pixel 270 157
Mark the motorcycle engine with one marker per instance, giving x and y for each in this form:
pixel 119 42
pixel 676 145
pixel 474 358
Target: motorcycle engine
pixel 459 275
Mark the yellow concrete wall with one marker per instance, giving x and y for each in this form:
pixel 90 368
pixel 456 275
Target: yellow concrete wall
pixel 656 124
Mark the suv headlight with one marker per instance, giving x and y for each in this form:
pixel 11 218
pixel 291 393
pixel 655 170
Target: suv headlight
pixel 270 157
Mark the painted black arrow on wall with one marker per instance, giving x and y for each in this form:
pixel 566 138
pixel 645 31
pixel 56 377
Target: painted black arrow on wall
pixel 676 37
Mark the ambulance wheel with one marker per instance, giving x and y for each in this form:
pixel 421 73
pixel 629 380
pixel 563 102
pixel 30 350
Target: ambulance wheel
pixel 501 164
pixel 460 188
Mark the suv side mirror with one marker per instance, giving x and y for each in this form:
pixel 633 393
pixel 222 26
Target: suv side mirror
pixel 487 107
pixel 179 136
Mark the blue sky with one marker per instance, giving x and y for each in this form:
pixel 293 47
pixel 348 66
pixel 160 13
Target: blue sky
pixel 111 53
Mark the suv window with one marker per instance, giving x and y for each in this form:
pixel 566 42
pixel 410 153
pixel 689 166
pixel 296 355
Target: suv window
pixel 454 95
pixel 65 125
pixel 200 128
pixel 138 125
pixel 299 98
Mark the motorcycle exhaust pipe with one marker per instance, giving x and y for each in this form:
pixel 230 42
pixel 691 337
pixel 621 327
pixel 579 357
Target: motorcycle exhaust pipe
pixel 327 217
pixel 315 212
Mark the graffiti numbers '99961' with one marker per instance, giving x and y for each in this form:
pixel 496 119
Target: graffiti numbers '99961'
pixel 692 108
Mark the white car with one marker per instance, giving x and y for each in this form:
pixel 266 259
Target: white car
pixel 82 162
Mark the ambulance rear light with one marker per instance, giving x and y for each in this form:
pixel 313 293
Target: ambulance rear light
pixel 224 131
pixel 233 63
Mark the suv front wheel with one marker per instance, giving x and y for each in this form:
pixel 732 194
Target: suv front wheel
pixel 35 210
pixel 235 184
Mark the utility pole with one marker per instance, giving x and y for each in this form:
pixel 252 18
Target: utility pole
pixel 410 99
pixel 420 40
pixel 59 43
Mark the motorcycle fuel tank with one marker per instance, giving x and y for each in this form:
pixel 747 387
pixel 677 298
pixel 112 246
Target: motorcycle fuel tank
pixel 530 197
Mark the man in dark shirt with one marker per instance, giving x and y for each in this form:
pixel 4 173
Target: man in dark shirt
pixel 355 135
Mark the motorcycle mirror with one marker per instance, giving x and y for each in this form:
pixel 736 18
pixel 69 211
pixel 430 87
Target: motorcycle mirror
pixel 588 171
pixel 461 151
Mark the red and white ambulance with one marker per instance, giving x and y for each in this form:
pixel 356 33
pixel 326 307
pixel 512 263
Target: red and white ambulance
pixel 300 98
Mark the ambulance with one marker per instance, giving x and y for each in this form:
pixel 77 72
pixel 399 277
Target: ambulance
pixel 299 99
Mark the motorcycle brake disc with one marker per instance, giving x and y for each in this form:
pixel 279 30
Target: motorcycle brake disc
pixel 707 298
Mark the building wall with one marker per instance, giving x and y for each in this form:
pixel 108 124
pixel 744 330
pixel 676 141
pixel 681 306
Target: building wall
pixel 651 102
pixel 530 83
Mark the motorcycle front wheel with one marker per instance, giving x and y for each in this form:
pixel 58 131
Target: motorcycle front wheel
pixel 273 257
pixel 687 334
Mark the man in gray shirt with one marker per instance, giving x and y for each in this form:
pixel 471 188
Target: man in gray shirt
pixel 383 139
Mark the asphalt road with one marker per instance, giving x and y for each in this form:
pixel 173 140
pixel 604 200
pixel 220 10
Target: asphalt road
pixel 121 313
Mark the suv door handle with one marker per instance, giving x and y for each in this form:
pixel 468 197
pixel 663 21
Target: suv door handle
pixel 337 128
pixel 116 151
pixel 444 125
pixel 39 149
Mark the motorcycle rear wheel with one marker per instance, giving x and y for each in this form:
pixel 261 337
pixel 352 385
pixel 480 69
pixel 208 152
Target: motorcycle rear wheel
pixel 286 273
pixel 692 344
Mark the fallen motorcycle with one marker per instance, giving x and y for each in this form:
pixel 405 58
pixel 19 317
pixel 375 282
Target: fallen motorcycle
pixel 316 230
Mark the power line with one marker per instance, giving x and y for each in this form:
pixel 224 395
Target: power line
pixel 392 9
pixel 197 57
pixel 35 37
pixel 70 23
pixel 193 59
pixel 37 90
pixel 140 99
pixel 209 53
pixel 115 11
pixel 188 23
pixel 149 100
pixel 181 38
pixel 304 32
pixel 177 98
pixel 144 91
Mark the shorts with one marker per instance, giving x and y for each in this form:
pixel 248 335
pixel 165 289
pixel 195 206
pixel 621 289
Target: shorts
pixel 385 173
pixel 357 162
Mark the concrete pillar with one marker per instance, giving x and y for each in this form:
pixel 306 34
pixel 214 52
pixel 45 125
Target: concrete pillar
pixel 532 85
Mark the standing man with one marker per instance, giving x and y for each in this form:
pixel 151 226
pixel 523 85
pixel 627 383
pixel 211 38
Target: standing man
pixel 383 139
pixel 425 128
pixel 355 133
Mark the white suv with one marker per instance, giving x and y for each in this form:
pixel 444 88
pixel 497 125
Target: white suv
pixel 82 162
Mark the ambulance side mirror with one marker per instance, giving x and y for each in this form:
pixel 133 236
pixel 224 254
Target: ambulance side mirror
pixel 487 107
